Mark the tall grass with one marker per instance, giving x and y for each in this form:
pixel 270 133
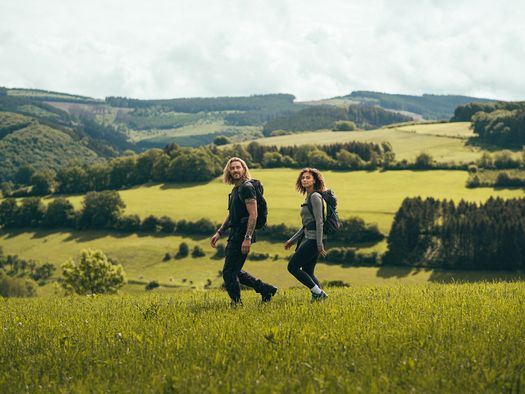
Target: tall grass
pixel 435 338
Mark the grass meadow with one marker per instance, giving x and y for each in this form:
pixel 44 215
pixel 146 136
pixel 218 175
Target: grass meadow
pixel 142 258
pixel 374 196
pixel 464 338
pixel 446 142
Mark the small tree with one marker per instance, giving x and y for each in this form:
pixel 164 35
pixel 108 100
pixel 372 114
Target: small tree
pixel 93 274
pixel 344 125
pixel 151 285
pixel 184 250
pixel 423 160
pixel 43 182
pixel 7 189
pixel 197 252
pixel 220 252
pixel 60 213
pixel 221 140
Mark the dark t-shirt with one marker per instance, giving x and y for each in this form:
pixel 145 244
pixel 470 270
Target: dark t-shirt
pixel 238 211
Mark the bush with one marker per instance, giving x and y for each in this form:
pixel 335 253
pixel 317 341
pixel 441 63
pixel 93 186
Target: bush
pixel 16 287
pixel 221 140
pixel 167 257
pixel 258 256
pixel 128 223
pixel 197 252
pixel 184 250
pixel 151 285
pixel 167 225
pixel 423 161
pixel 474 181
pixel 220 252
pixel 151 224
pixel 344 125
pixel 93 274
pixel 335 283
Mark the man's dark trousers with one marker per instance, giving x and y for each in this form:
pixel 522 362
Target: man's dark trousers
pixel 234 275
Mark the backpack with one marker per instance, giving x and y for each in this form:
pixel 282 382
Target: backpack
pixel 262 206
pixel 331 220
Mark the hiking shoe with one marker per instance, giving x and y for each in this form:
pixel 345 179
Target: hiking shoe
pixel 268 293
pixel 319 297
pixel 236 304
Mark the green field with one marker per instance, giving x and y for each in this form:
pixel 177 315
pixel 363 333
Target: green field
pixel 435 338
pixel 444 141
pixel 142 259
pixel 374 196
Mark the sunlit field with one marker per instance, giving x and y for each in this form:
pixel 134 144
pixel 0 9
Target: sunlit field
pixel 374 196
pixel 434 338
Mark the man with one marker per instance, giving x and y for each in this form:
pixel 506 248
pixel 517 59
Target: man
pixel 241 219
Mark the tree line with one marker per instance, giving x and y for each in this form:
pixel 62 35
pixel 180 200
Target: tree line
pixel 464 235
pixel 181 164
pixel 500 123
pixel 20 277
pixel 324 117
pixel 104 211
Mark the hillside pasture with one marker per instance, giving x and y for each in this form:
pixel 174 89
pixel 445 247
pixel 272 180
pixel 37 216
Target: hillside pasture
pixel 374 196
pixel 439 140
pixel 429 338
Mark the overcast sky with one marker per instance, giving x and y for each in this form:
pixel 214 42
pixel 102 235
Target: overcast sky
pixel 312 49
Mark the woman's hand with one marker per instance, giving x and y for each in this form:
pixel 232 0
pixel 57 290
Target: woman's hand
pixel 287 245
pixel 322 252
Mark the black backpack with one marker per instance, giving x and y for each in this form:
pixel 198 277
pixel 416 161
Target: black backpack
pixel 262 206
pixel 331 219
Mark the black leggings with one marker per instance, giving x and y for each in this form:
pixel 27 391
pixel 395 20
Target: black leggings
pixel 302 264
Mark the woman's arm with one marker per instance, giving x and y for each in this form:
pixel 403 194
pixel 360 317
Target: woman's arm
pixel 295 236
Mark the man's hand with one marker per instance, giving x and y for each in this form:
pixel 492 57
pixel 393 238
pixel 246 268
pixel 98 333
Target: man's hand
pixel 322 252
pixel 287 245
pixel 245 247
pixel 214 239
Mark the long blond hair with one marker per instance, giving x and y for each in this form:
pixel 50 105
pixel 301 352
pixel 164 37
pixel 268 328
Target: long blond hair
pixel 227 178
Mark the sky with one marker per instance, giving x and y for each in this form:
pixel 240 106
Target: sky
pixel 312 49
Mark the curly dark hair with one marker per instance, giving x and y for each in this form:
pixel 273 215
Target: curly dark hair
pixel 319 185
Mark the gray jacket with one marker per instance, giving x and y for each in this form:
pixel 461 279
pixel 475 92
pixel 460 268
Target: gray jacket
pixel 306 217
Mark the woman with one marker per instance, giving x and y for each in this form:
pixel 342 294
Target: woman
pixel 310 237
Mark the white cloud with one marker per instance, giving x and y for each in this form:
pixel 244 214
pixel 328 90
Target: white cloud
pixel 312 49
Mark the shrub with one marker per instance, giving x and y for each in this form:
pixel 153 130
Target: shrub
pixel 220 252
pixel 197 252
pixel 474 181
pixel 16 287
pixel 151 224
pixel 183 251
pixel 93 274
pixel 258 256
pixel 344 125
pixel 423 161
pixel 151 285
pixel 221 140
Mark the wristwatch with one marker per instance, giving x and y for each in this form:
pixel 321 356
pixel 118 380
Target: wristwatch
pixel 248 237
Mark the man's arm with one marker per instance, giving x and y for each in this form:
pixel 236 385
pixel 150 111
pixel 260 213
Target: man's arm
pixel 218 234
pixel 251 206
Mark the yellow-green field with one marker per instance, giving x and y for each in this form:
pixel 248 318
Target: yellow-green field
pixel 446 142
pixel 374 196
pixel 454 129
pixel 142 258
pixel 424 339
